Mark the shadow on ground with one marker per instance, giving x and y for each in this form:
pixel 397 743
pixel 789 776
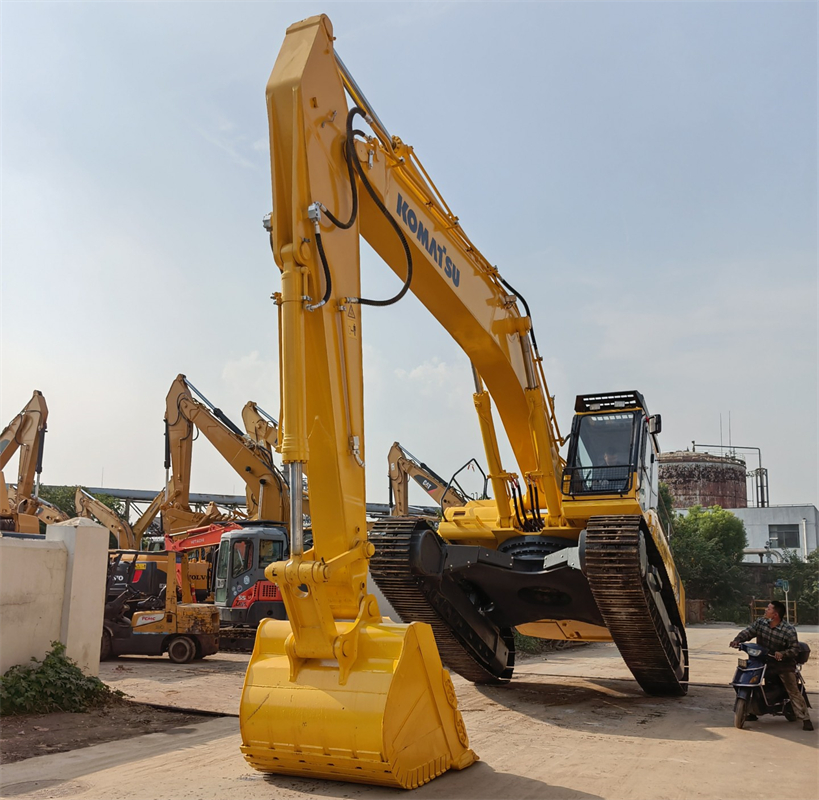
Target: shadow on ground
pixel 613 707
pixel 478 782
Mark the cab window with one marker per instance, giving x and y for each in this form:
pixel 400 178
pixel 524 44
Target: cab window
pixel 242 559
pixel 269 551
pixel 604 440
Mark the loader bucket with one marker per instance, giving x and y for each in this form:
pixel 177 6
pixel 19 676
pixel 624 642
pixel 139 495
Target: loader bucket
pixel 394 722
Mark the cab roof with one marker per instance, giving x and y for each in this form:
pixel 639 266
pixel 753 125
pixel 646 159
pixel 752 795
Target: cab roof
pixel 611 401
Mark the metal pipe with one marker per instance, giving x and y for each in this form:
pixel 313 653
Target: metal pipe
pixel 477 379
pixel 528 364
pixel 694 445
pixel 762 500
pixel 360 100
pixel 295 470
pixel 804 538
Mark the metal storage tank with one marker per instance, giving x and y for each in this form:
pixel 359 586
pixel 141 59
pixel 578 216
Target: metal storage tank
pixel 702 479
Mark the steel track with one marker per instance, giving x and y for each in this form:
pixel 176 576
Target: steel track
pixel 390 568
pixel 613 567
pixel 616 576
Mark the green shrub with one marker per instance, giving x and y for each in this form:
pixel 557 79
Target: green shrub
pixel 739 613
pixel 54 684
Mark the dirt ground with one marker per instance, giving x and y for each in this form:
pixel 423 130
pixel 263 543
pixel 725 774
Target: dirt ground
pixel 30 735
pixel 571 724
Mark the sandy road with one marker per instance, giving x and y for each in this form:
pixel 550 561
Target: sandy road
pixel 572 725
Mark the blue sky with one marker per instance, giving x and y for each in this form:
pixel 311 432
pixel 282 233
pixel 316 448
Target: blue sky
pixel 644 173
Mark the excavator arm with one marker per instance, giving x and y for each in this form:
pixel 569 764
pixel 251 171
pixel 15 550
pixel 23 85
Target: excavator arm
pixel 22 509
pixel 403 466
pixel 87 505
pixel 266 490
pixel 148 516
pixel 26 433
pixel 264 430
pixel 260 426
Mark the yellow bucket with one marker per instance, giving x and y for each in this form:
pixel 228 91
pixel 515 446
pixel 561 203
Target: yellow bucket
pixel 394 722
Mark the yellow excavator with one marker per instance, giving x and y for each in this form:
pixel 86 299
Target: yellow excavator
pixel 260 426
pixel 129 537
pixel 403 465
pixel 264 430
pixel 21 508
pixel 87 505
pixel 565 548
pixel 265 487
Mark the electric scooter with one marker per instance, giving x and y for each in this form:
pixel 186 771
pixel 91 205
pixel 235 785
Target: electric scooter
pixel 760 692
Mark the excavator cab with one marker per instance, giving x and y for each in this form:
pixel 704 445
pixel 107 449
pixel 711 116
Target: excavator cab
pixel 241 591
pixel 612 448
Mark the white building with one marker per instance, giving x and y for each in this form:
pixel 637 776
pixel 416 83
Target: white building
pixel 776 528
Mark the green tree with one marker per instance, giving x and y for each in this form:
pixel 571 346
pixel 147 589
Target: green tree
pixel 803 579
pixel 666 508
pixel 708 546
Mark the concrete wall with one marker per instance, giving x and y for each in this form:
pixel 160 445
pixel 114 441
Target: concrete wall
pixel 32 585
pixel 757 521
pixel 53 590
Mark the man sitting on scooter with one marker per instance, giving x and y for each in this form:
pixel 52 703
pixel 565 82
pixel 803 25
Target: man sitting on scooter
pixel 779 638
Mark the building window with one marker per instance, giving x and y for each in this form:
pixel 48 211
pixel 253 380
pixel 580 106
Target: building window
pixel 784 537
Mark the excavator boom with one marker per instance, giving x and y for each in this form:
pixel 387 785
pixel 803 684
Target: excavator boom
pixel 266 490
pixel 403 466
pixel 26 433
pixel 22 509
pixel 87 505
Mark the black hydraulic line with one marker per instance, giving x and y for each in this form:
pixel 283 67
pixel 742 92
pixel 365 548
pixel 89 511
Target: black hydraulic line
pixel 525 306
pixel 217 412
pixel 517 509
pixel 223 418
pixel 167 446
pixel 39 467
pixel 349 152
pixel 353 165
pixel 180 415
pixel 383 209
pixel 454 482
pixel 537 503
pixel 328 281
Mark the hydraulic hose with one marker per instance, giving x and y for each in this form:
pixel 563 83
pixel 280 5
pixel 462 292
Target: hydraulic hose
pixel 328 281
pixel 353 166
pixel 525 306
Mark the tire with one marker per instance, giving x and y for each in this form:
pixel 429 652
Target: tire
pixel 788 713
pixel 181 649
pixel 106 646
pixel 740 711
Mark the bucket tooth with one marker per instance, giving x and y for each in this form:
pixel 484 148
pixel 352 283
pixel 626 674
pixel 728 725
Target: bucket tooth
pixel 395 722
